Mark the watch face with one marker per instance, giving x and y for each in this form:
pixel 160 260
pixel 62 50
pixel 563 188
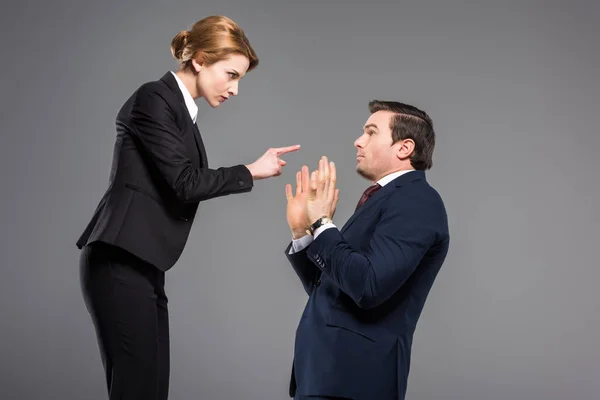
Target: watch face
pixel 320 222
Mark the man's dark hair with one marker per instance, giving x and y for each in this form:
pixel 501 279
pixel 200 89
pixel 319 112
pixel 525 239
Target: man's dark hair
pixel 410 123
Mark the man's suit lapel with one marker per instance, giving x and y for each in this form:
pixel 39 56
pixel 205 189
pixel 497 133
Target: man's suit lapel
pixel 170 81
pixel 380 193
pixel 384 191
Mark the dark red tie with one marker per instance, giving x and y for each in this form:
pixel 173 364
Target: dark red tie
pixel 367 194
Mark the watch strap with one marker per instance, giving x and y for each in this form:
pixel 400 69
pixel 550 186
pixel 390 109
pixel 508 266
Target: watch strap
pixel 318 223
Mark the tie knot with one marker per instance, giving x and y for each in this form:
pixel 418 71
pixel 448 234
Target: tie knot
pixel 367 194
pixel 372 189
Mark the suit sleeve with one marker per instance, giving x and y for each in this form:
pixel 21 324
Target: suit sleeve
pixel 400 240
pixel 153 127
pixel 304 268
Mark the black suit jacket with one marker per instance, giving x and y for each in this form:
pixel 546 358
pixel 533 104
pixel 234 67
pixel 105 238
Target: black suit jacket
pixel 159 175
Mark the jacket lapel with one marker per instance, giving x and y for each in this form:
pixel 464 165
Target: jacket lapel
pixel 200 145
pixel 384 191
pixel 379 194
pixel 170 81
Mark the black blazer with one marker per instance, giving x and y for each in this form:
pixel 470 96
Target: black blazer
pixel 159 175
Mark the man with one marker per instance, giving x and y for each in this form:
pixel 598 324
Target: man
pixel 367 283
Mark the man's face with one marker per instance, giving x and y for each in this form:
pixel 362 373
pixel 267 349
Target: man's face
pixel 376 157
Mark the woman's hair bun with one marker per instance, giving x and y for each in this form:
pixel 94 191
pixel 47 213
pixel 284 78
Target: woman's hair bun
pixel 178 44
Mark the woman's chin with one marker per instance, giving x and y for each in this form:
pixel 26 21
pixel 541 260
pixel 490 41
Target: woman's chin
pixel 214 103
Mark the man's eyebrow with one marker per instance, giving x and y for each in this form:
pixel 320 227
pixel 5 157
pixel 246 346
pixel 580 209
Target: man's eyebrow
pixel 370 126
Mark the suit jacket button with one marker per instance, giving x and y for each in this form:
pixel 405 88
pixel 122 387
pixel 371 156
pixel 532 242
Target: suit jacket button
pixel 241 183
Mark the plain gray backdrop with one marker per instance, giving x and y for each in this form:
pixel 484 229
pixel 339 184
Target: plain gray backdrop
pixel 514 92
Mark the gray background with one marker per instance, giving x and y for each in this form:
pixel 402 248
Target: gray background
pixel 514 93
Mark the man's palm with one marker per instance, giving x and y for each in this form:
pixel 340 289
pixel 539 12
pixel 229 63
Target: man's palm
pixel 297 205
pixel 296 212
pixel 322 193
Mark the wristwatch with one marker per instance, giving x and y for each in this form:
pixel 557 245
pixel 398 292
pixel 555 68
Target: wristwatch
pixel 318 223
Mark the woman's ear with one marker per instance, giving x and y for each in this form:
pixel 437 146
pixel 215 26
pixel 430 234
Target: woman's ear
pixel 197 64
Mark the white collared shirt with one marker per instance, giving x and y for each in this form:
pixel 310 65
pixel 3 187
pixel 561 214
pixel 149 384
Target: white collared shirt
pixel 304 241
pixel 388 178
pixel 187 97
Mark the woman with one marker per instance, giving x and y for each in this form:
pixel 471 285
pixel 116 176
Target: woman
pixel 159 175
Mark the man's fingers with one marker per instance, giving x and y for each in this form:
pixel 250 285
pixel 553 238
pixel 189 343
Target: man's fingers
pixel 282 150
pixel 336 196
pixel 319 173
pixel 332 180
pixel 288 191
pixel 322 178
pixel 313 181
pixel 298 183
pixel 305 179
pixel 326 176
pixel 332 171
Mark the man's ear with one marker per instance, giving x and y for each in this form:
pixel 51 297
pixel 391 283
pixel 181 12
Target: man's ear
pixel 406 149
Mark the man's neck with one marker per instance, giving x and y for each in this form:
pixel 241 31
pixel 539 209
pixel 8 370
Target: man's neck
pixel 390 176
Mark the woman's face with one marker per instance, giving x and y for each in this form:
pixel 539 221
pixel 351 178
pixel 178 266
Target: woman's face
pixel 217 82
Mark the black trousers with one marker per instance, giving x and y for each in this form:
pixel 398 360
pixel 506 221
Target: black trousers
pixel 126 300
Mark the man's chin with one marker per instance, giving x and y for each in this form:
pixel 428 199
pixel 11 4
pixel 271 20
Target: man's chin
pixel 363 173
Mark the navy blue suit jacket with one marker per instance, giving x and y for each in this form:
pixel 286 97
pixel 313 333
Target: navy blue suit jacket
pixel 367 285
